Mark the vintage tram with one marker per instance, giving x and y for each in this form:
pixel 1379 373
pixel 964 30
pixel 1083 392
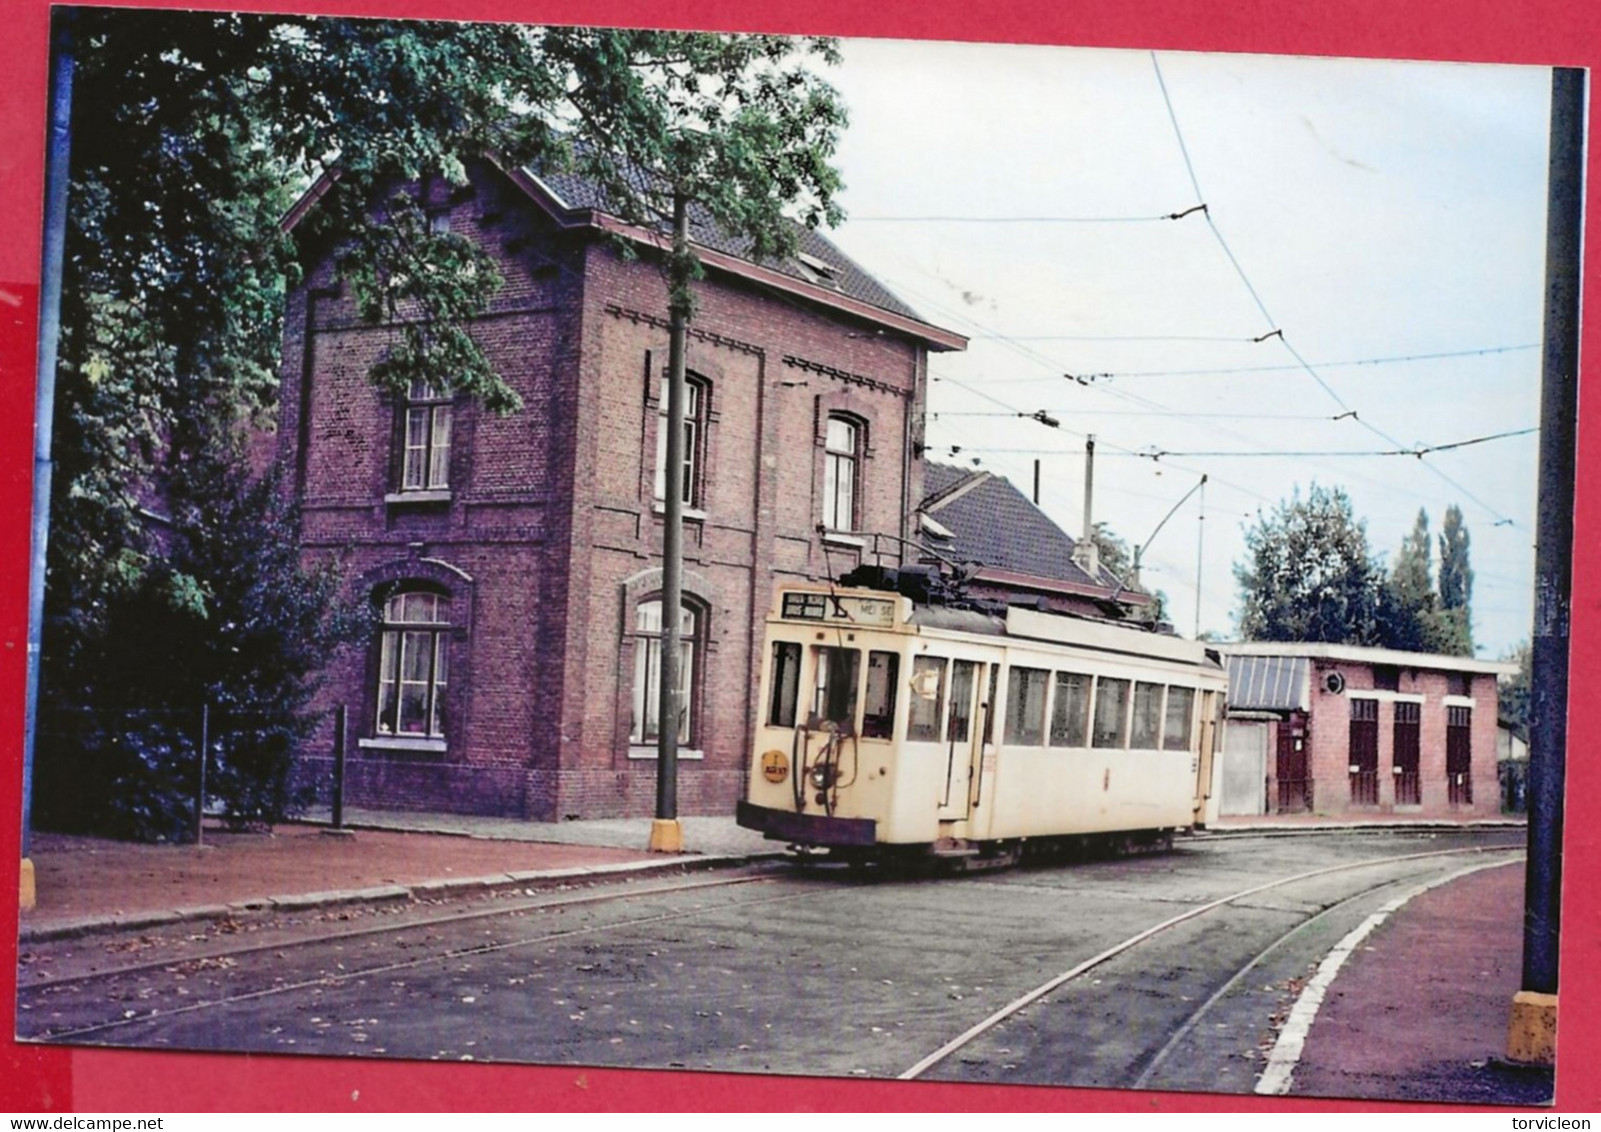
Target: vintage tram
pixel 892 728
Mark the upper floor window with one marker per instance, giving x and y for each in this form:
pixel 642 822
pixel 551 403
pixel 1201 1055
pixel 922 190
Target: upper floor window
pixel 688 475
pixel 425 462
pixel 842 451
pixel 413 664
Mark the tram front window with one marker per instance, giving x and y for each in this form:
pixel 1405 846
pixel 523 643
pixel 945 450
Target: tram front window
pixel 834 696
pixel 786 683
pixel 878 715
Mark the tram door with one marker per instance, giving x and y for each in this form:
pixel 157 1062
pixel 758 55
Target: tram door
pixel 962 742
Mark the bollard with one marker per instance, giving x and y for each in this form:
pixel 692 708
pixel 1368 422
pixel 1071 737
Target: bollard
pixel 200 792
pixel 339 767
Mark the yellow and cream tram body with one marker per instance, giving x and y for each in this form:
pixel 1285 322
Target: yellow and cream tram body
pixel 887 726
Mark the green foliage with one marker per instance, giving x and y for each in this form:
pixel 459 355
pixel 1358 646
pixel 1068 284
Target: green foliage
pixel 192 135
pixel 227 618
pixel 1456 585
pixel 1410 615
pixel 193 132
pixel 1517 692
pixel 1117 557
pixel 1309 574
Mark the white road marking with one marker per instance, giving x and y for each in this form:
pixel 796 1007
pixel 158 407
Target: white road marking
pixel 1286 1053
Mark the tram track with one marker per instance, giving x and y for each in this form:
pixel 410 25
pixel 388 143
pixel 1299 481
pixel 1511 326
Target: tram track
pixel 766 875
pixel 1022 1002
pixel 625 932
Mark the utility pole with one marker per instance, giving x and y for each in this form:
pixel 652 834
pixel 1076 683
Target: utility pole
pixel 57 172
pixel 666 834
pixel 1531 1036
pixel 1086 554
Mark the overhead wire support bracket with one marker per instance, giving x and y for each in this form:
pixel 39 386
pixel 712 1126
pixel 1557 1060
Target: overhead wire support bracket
pixel 1278 333
pixel 1202 208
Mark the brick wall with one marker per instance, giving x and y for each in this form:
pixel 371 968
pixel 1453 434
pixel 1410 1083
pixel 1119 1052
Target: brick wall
pixel 550 536
pixel 1330 730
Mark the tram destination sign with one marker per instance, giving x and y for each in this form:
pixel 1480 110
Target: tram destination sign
pixel 811 605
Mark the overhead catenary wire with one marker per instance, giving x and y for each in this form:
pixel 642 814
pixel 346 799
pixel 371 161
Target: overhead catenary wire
pixel 1277 329
pixel 1156 454
pixel 1223 371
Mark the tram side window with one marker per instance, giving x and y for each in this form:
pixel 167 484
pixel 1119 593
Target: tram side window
pixel 1146 733
pixel 834 697
pixel 928 685
pixel 964 675
pixel 1025 707
pixel 1070 716
pixel 878 711
pixel 1180 713
pixel 786 684
pixel 1111 713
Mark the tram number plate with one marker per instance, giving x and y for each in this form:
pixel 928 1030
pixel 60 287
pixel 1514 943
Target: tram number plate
pixel 775 766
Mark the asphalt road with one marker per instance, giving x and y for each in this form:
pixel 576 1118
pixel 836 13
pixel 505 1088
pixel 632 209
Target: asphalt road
pixel 783 972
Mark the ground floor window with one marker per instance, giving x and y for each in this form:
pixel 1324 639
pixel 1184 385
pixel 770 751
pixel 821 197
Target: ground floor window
pixel 413 657
pixel 645 726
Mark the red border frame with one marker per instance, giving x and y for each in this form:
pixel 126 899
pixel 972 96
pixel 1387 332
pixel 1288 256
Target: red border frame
pixel 1540 32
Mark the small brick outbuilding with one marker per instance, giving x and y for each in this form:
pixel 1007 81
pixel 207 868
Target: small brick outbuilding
pixel 514 562
pixel 1342 730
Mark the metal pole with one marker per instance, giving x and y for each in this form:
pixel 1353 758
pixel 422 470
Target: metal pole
pixel 1036 483
pixel 1089 490
pixel 1533 1030
pixel 200 786
pixel 1554 533
pixel 57 170
pixel 1200 557
pixel 673 525
pixel 340 726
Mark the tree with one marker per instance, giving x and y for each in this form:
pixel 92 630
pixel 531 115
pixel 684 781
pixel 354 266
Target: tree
pixel 1456 586
pixel 1409 616
pixel 1309 574
pixel 1516 692
pixel 123 747
pixel 192 133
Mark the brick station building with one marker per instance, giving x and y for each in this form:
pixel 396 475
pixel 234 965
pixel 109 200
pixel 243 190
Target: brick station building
pixel 514 562
pixel 1342 730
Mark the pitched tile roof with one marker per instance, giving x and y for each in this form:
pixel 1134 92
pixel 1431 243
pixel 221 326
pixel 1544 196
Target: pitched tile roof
pixel 840 273
pixel 994 524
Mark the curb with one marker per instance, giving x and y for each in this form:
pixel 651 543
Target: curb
pixel 429 889
pixel 1289 829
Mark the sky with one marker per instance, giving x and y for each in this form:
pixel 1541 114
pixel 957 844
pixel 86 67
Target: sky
pixel 1388 218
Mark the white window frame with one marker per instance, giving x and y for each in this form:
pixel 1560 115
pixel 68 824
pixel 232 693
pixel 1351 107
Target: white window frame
pixel 695 396
pixel 416 621
pixel 646 689
pixel 425 440
pixel 842 471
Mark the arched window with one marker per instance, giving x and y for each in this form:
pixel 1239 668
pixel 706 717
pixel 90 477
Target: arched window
pixel 413 654
pixel 842 445
pixel 646 724
pixel 690 472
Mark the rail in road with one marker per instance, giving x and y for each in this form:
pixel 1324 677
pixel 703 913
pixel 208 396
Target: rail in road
pixel 340 985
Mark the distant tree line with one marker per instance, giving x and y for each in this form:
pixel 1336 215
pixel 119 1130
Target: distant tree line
pixel 1309 574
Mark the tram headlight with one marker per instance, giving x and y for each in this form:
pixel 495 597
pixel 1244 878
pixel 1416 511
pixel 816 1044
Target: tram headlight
pixel 822 776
